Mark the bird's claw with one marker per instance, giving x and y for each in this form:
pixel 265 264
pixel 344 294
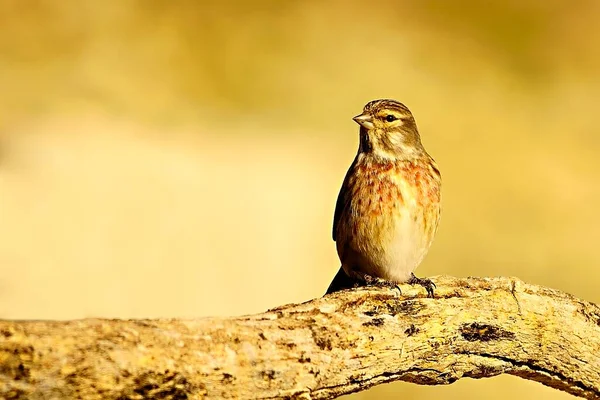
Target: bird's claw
pixel 375 281
pixel 426 283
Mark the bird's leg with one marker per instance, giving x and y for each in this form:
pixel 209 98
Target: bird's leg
pixel 369 280
pixel 426 283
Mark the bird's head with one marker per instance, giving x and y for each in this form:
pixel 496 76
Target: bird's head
pixel 388 130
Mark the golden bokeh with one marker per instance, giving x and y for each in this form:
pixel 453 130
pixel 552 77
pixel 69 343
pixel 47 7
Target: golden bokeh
pixel 182 159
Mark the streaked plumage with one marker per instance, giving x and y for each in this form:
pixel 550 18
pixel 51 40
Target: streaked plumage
pixel 388 208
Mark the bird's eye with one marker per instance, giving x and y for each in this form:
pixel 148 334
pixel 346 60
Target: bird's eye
pixel 390 118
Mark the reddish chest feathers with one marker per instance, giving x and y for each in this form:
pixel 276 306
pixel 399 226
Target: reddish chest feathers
pixel 373 189
pixel 424 180
pixel 376 185
pixel 384 191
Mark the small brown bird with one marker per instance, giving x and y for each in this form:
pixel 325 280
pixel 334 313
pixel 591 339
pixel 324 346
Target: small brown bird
pixel 388 209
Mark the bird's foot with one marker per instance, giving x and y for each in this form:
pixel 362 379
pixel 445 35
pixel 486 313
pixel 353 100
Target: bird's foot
pixel 369 280
pixel 426 283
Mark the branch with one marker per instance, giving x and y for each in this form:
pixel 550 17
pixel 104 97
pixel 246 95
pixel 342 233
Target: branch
pixel 338 344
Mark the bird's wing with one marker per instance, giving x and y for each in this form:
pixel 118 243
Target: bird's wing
pixel 342 201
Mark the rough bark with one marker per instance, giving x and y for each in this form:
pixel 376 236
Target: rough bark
pixel 341 343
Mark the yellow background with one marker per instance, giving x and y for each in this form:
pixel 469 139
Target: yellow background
pixel 182 159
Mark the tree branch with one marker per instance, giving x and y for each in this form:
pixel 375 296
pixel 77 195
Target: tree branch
pixel 338 344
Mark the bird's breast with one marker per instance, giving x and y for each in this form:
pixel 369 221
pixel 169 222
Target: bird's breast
pixel 392 216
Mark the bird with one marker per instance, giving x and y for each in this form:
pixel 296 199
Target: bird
pixel 389 206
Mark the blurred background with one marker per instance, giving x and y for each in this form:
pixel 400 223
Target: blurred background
pixel 182 159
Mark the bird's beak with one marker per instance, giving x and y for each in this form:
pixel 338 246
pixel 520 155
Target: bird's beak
pixel 364 120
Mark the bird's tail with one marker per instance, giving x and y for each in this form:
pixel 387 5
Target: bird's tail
pixel 341 281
